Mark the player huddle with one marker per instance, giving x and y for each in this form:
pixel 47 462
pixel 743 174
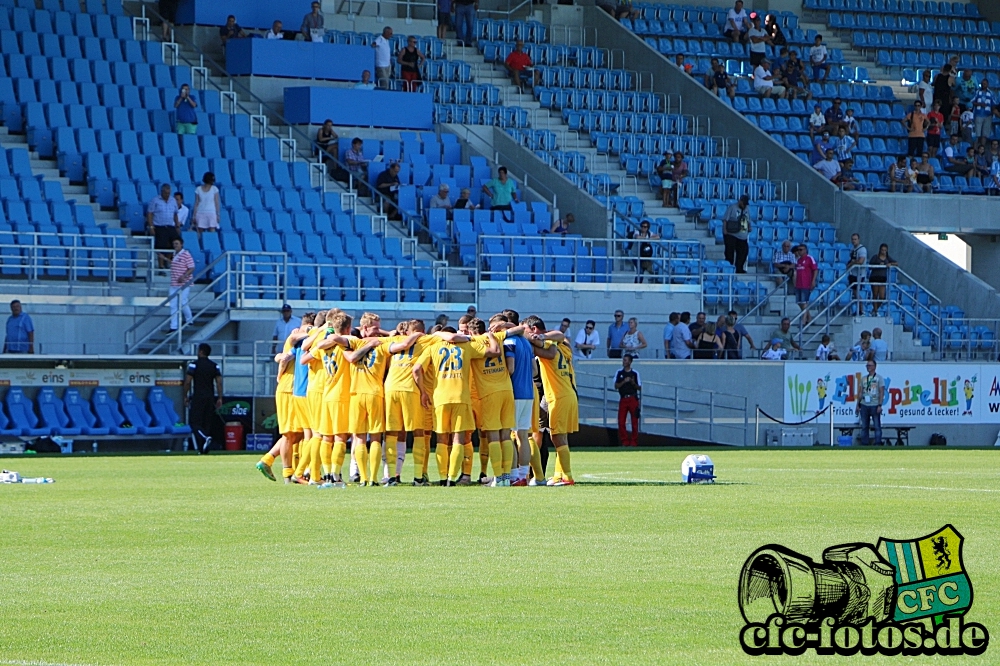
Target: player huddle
pixel 371 388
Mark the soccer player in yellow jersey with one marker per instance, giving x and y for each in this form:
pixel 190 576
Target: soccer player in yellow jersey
pixel 310 457
pixel 496 397
pixel 555 360
pixel 403 411
pixel 464 323
pixel 449 358
pixel 369 357
pixel 334 419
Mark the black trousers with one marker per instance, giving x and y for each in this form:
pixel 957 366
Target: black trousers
pixel 914 146
pixel 737 250
pixel 201 418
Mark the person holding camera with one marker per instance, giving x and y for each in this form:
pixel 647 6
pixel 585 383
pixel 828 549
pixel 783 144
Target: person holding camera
pixel 869 408
pixel 184 110
pixel 628 385
pixel 736 233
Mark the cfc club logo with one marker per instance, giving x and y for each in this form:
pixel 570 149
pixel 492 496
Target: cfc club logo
pixel 906 597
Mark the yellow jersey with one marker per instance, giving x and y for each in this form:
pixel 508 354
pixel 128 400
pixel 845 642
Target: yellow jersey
pixel 338 374
pixel 452 371
pixel 285 378
pixel 490 374
pixel 316 383
pixel 557 374
pixel 401 364
pixel 368 373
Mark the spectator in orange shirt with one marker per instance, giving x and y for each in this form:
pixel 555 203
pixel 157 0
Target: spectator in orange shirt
pixel 518 63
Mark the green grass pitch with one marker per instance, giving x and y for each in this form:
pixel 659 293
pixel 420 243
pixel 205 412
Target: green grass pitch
pixel 200 560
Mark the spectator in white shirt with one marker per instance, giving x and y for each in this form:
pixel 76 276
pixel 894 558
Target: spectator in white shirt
pixel 668 332
pixel 829 166
pixel 818 57
pixel 925 92
pixel 759 39
pixel 737 23
pixel 763 82
pixel 383 58
pixel 775 351
pixel 366 81
pixel 441 199
pixel 587 340
pixel 275 32
pixel 826 351
pixel 183 212
pixel 879 348
pixel 285 324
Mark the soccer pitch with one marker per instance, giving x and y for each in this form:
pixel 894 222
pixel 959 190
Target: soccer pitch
pixel 200 560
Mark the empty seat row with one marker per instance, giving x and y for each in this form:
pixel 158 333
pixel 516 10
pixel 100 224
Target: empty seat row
pixel 907 7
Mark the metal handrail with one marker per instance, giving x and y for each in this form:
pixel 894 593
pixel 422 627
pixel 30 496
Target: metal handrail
pixel 121 262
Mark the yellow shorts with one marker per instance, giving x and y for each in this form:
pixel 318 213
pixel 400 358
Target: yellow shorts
pixel 314 404
pixel 300 412
pixel 564 415
pixel 477 413
pixel 367 414
pixel 403 411
pixel 453 418
pixel 283 410
pixel 335 418
pixel 498 411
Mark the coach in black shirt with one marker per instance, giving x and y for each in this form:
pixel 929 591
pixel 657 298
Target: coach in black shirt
pixel 628 385
pixel 203 402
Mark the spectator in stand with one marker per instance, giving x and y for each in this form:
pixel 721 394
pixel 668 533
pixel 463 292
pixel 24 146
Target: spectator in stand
pixel 564 328
pixel 742 330
pixel 357 165
pixel 207 206
pixel 880 350
pixel 587 341
pixel 698 326
pixel 624 10
pixel 925 174
pixel 968 125
pixel 853 128
pixel 184 111
pixel 845 145
pixel 465 21
pixel 161 222
pixel 231 30
pixel 168 11
pixel 994 150
pixel 826 351
pixel 793 77
pixel 285 325
pixel 737 23
pixel 924 89
pixel 763 81
pixel 633 341
pixel 616 332
pixel 775 352
pixel 561 226
pixel 684 66
pixel 464 201
pixel 915 123
pixel 680 343
pixel 717 80
pixel 897 175
pixel 816 122
pixel 820 146
pixel 862 350
pixel 680 173
pixel 784 259
pixel 774 30
pixel 441 199
pixel 857 268
pixel 829 167
pixel 759 40
pixel 871 393
pixel 707 344
pixel 383 58
pixel 911 174
pixel 665 170
pixel 276 31
pixel 668 332
pixel 183 212
pixel 628 385
pixel 645 252
pixel 312 24
pixel 410 59
pixel 879 275
pixel 953 118
pixel 847 180
pixel 725 328
pixel 20 338
pixel 834 117
pixel 943 83
pixel 181 272
pixel 993 184
pixel 387 184
pixel 984 107
pixel 519 64
pixel 819 59
pixel 806 274
pixel 328 141
pixel 736 233
pixel 936 120
pixel 784 335
pixel 444 18
pixel 954 161
pixel 982 162
pixel 502 191
pixel 366 82
pixel 965 88
pixel 778 64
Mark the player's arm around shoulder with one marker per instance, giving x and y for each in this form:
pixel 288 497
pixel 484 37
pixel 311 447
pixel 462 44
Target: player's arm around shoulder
pixel 405 343
pixel 358 351
pixel 543 348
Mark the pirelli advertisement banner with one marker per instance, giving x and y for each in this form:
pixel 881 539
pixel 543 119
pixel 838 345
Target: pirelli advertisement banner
pixel 915 393
pixel 65 377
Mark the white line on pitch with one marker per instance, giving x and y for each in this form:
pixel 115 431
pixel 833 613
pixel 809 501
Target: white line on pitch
pixel 22 662
pixel 949 490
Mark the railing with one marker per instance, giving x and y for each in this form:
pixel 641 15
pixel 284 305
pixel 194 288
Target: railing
pixel 77 258
pixel 673 411
pixel 759 290
pixel 573 259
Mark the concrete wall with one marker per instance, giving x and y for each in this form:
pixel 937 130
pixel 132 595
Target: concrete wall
pixel 950 283
pixel 934 213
